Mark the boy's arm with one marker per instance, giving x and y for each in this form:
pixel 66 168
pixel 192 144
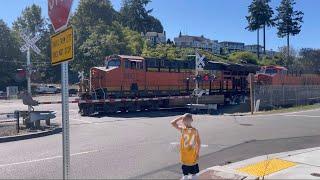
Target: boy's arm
pixel 198 143
pixel 174 123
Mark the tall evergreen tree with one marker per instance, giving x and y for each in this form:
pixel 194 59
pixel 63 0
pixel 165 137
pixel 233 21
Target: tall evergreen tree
pixel 255 19
pixel 288 21
pixel 267 20
pixel 134 15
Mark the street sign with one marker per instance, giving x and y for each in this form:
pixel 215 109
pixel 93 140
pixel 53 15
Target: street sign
pixel 62 51
pixel 81 75
pixel 199 62
pixel 59 12
pixel 30 43
pixel 62 46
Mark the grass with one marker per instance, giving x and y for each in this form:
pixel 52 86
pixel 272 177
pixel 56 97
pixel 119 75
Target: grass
pixel 291 109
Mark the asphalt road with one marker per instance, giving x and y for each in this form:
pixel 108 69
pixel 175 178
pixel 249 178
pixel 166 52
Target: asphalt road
pixel 143 144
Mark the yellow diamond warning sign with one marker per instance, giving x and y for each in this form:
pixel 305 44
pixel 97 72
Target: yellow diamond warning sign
pixel 62 46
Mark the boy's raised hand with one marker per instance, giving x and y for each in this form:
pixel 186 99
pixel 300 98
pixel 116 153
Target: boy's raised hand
pixel 175 124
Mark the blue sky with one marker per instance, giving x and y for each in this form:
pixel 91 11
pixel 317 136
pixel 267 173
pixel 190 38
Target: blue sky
pixel 222 20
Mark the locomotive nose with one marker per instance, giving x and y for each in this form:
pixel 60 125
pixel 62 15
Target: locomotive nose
pixel 263 79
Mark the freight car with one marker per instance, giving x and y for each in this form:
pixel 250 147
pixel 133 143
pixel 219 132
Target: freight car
pixel 129 83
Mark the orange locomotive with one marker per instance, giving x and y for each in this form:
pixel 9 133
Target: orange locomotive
pixel 132 83
pixel 127 76
pixel 278 75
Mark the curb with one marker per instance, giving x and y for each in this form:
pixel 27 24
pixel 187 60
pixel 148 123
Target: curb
pixel 30 136
pixel 220 172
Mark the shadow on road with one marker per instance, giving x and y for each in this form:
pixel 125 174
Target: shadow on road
pixel 147 114
pixel 241 152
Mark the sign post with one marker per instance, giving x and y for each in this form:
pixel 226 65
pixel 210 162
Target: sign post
pixel 29 43
pixel 62 52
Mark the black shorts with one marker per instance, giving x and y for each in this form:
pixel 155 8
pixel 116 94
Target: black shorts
pixel 186 170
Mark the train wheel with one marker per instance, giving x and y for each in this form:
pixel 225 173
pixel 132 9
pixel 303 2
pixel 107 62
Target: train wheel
pixel 87 110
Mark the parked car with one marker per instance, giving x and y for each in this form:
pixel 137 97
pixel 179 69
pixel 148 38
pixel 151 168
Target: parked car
pixel 43 89
pixel 73 92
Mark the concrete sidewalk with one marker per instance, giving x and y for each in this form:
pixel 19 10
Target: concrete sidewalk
pixel 300 164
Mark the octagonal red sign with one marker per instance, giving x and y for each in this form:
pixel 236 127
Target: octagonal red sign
pixel 59 11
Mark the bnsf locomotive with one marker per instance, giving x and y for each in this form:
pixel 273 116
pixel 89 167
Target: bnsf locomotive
pixel 278 75
pixel 133 82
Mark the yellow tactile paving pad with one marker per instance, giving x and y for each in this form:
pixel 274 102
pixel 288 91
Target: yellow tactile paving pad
pixel 266 167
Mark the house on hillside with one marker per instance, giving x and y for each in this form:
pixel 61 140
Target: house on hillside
pixel 200 42
pixel 155 38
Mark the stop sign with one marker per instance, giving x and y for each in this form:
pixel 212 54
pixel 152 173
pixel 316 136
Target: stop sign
pixel 59 11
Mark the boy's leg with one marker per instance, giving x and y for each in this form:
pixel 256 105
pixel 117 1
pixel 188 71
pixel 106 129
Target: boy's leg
pixel 185 171
pixel 195 171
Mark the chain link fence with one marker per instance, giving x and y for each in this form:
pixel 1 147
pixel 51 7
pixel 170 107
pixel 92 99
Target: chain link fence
pixel 274 96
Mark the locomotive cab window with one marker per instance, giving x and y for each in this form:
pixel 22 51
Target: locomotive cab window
pixel 113 63
pixel 271 71
pixel 134 64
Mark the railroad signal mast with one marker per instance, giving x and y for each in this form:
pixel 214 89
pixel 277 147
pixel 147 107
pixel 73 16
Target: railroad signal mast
pixel 30 44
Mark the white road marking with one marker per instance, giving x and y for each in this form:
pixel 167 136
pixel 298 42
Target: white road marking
pixel 301 115
pixel 270 115
pixel 88 122
pixel 177 143
pixel 45 159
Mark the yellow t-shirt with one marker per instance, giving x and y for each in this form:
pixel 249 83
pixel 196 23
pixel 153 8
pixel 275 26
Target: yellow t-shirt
pixel 188 146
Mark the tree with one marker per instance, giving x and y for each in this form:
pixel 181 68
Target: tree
pixel 255 19
pixel 288 21
pixel 32 23
pixel 92 22
pixel 267 20
pixel 310 60
pixel 134 15
pixel 9 56
pixel 243 57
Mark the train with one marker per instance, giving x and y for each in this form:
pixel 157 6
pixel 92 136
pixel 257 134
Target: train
pixel 278 75
pixel 130 83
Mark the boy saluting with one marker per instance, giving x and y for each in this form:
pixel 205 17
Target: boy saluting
pixel 189 145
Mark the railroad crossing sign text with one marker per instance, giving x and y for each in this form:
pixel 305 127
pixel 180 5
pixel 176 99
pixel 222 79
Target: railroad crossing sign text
pixel 62 46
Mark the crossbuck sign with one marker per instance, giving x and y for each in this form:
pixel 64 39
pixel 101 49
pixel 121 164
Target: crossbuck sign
pixel 199 62
pixel 30 43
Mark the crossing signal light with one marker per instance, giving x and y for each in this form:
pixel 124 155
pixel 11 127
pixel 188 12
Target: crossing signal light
pixel 206 77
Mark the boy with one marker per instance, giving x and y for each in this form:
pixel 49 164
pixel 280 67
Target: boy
pixel 189 145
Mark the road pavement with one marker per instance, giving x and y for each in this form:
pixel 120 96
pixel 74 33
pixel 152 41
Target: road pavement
pixel 143 144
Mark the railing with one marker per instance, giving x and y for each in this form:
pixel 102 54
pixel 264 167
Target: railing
pixel 272 96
